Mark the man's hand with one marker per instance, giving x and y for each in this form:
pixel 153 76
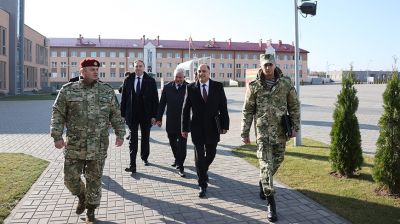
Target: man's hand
pixel 293 134
pixel 118 142
pixel 224 131
pixel 59 144
pixel 184 134
pixel 153 121
pixel 159 123
pixel 246 140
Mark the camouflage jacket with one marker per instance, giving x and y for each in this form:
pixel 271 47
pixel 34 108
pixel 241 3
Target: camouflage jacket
pixel 267 105
pixel 86 111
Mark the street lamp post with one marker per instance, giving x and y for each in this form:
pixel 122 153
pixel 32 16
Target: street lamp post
pixel 308 8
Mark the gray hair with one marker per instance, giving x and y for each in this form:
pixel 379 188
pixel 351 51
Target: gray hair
pixel 179 70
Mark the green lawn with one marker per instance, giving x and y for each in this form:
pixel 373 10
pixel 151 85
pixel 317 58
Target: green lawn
pixel 17 174
pixel 307 169
pixel 28 97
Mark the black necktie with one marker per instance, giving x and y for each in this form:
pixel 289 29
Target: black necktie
pixel 138 86
pixel 204 93
pixel 178 86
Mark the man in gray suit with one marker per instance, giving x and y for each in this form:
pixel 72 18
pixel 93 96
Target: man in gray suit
pixel 172 96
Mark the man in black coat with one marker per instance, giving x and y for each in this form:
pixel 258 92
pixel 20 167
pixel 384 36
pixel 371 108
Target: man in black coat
pixel 172 96
pixel 139 104
pixel 207 101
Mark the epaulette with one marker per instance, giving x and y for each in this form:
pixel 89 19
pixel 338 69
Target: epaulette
pixel 68 84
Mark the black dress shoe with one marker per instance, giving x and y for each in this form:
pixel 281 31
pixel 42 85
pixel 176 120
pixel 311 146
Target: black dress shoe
pixel 146 163
pixel 202 192
pixel 131 169
pixel 181 172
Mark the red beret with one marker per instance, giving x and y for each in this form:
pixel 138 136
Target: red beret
pixel 90 62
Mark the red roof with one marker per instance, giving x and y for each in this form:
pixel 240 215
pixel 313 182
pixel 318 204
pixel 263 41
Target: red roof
pixel 169 44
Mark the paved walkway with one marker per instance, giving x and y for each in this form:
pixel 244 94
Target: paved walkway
pixel 156 194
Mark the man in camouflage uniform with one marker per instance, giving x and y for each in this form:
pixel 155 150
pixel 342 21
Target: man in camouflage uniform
pixel 268 98
pixel 86 107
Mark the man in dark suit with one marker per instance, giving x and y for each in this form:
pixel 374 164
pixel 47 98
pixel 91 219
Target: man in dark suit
pixel 139 104
pixel 207 101
pixel 172 96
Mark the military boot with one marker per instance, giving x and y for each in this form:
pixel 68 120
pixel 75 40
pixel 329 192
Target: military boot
pixel 90 214
pixel 262 195
pixel 80 208
pixel 271 214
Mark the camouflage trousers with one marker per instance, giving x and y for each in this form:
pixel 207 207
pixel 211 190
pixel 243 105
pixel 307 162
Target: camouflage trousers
pixel 92 171
pixel 270 157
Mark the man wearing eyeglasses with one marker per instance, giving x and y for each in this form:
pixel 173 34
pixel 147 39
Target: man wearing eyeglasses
pixel 206 100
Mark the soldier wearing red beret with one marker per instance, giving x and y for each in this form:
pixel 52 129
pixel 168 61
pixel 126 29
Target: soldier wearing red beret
pixel 86 107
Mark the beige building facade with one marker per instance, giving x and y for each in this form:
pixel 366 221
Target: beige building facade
pixel 36 57
pixel 227 60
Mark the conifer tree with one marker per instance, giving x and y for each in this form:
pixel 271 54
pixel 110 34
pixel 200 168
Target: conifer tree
pixel 386 169
pixel 345 151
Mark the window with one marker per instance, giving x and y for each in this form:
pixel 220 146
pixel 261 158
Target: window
pixel 159 74
pixel 103 64
pixel 194 55
pixel 222 56
pixel 113 54
pixel 186 55
pixel 229 75
pixel 130 65
pixel 212 75
pixel 73 64
pixel 74 54
pixel 159 55
pixel 121 54
pixel 112 74
pixel 102 54
pixel 254 57
pixel 3 43
pixel 63 64
pixel 82 54
pixel 221 75
pixel 212 56
pixel 169 55
pixel 177 55
pixel 238 75
pixel 131 54
pixel 93 54
pixel 121 74
pixel 102 74
pixel 238 66
pixel 205 55
pixel 63 54
pixel 54 64
pixel 255 65
pixel 238 56
pixel 285 57
pixel 229 56
pixel 221 65
pixel 246 66
pixel 112 65
pixel 169 74
pixel 212 65
pixel 63 74
pixel 230 65
pixel 122 64
pixel 140 55
pixel 53 54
